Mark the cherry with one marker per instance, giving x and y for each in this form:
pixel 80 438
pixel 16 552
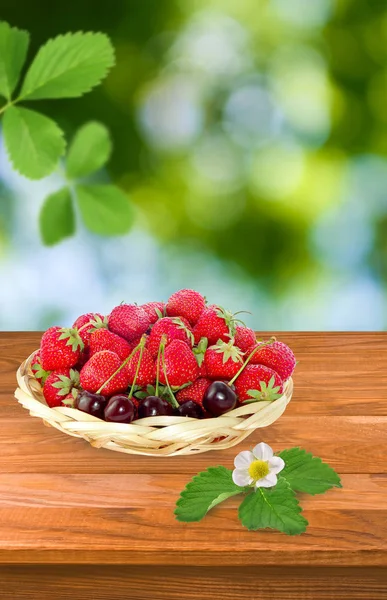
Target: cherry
pixel 120 409
pixel 153 406
pixel 219 398
pixel 190 409
pixel 92 404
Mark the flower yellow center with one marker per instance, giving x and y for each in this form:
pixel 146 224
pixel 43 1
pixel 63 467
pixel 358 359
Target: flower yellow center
pixel 258 469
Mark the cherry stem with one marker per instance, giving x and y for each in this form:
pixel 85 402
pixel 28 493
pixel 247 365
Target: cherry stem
pixel 120 367
pixel 173 402
pixel 162 343
pixel 142 345
pixel 259 347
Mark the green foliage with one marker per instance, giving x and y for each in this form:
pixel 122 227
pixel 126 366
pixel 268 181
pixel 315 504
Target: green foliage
pixel 13 51
pixel 89 151
pixel 68 66
pixel 34 142
pixel 307 473
pixel 56 219
pixel 276 508
pixel 105 209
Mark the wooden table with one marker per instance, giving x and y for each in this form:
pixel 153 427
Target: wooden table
pixel 76 522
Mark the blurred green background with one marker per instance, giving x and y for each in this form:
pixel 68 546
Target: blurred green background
pixel 252 138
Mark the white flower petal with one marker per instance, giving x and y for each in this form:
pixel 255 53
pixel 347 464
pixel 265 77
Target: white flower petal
pixel 276 464
pixel 244 459
pixel 268 481
pixel 263 451
pixel 241 477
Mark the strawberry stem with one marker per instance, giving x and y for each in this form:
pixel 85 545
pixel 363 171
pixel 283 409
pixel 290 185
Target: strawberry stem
pixel 270 341
pixel 120 367
pixel 142 345
pixel 173 402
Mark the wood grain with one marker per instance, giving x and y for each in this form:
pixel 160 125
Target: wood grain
pixel 66 507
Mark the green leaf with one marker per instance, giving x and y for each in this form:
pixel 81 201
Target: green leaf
pixel 89 151
pixel 13 51
pixel 34 142
pixel 307 473
pixel 276 508
pixel 105 209
pixel 56 219
pixel 205 491
pixel 68 66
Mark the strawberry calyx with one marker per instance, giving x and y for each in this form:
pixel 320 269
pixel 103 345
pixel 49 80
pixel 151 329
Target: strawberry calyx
pixel 39 372
pixel 94 324
pixel 200 350
pixel 181 325
pixel 70 402
pixel 73 338
pixel 151 391
pixel 268 392
pixel 229 351
pixel 66 384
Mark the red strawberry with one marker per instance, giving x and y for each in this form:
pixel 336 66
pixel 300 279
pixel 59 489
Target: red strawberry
pixel 60 348
pixel 258 382
pixel 180 364
pixel 129 321
pixel 58 385
pixel 146 373
pixel 173 329
pixel 37 369
pixel 88 323
pixel 277 356
pixel 195 391
pixel 103 339
pixel 214 323
pixel 223 361
pixel 99 369
pixel 244 337
pixel 202 370
pixel 154 310
pixel 186 303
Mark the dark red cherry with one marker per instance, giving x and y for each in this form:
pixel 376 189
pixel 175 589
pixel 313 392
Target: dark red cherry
pixel 92 404
pixel 219 398
pixel 153 406
pixel 120 409
pixel 190 409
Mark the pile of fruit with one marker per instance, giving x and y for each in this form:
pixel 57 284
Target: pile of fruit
pixel 182 358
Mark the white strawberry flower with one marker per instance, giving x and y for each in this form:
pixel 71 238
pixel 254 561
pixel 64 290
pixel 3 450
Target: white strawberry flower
pixel 259 467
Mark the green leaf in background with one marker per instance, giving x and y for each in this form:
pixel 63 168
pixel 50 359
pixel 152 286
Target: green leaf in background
pixel 68 66
pixel 13 51
pixel 56 219
pixel 276 507
pixel 205 491
pixel 307 473
pixel 105 209
pixel 34 142
pixel 89 151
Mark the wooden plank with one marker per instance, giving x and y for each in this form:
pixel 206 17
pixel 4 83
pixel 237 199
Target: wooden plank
pixel 191 583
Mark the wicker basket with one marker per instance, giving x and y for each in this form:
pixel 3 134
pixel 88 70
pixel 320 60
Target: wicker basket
pixel 154 436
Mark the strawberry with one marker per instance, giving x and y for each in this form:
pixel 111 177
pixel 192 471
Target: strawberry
pixel 146 373
pixel 244 337
pixel 277 356
pixel 99 368
pixel 60 347
pixel 173 328
pixel 58 385
pixel 103 339
pixel 129 321
pixel 186 303
pixel 37 369
pixel 70 399
pixel 154 310
pixel 223 361
pixel 88 323
pixel 195 391
pixel 214 323
pixel 180 364
pixel 258 382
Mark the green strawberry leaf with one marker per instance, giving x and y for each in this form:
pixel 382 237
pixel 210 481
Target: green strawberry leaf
pixel 267 392
pixel 105 209
pixel 39 372
pixel 68 66
pixel 205 491
pixel 13 51
pixel 307 473
pixel 56 219
pixel 276 508
pixel 34 142
pixel 200 350
pixel 89 150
